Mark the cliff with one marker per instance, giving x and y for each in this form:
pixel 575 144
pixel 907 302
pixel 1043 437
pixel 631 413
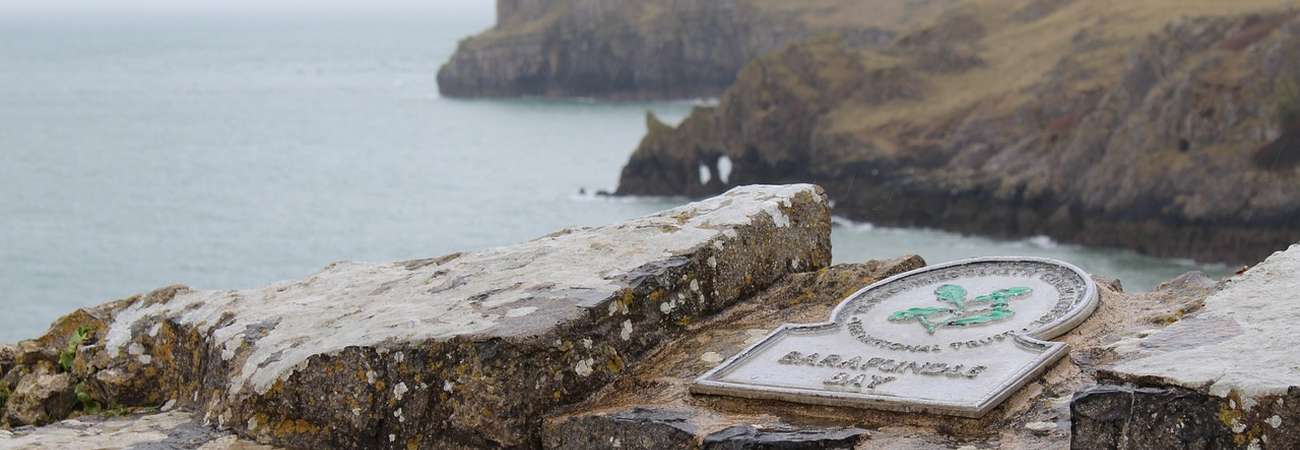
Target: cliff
pixel 1169 127
pixel 642 49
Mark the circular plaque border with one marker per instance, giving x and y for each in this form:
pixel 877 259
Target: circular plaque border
pixel 1085 303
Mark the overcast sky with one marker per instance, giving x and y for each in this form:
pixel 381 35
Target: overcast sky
pixel 268 6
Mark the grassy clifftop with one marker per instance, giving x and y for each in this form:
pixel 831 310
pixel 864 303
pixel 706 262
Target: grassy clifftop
pixel 1022 43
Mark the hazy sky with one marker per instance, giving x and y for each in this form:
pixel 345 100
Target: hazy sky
pixel 268 6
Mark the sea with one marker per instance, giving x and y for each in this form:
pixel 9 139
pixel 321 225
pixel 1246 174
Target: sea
pixel 231 150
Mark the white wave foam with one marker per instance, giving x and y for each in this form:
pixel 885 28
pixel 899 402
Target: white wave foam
pixel 1041 241
pixel 837 221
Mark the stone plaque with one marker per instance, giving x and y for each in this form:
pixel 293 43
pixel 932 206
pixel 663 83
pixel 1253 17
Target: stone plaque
pixel 955 339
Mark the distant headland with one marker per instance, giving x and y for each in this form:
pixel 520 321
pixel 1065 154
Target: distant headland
pixel 1167 127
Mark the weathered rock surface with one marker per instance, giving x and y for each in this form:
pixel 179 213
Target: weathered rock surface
pixel 1166 127
pixel 7 355
pixel 1227 376
pixel 160 431
pixel 465 350
pixel 651 407
pixel 640 49
pixel 746 437
pixel 40 397
pixel 643 428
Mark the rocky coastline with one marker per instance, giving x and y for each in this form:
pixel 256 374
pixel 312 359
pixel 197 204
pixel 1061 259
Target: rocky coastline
pixel 1182 149
pixel 655 49
pixel 590 338
pixel 1169 128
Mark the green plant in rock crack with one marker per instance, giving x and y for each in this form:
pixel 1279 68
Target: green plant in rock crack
pixel 4 396
pixel 1287 93
pixel 69 353
pixel 88 404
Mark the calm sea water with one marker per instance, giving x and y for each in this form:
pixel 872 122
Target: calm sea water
pixel 232 151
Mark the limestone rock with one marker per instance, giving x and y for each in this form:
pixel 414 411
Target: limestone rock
pixel 747 437
pixel 31 351
pixel 1242 333
pixel 50 346
pixel 655 429
pixel 1041 427
pixel 1189 284
pixel 466 350
pixel 167 431
pixel 1224 377
pixel 40 397
pixel 7 385
pixel 7 355
pixel 636 428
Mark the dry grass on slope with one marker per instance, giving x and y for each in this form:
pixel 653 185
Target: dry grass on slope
pixel 1096 35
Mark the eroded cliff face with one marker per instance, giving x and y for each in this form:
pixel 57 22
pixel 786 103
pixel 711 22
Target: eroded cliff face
pixel 597 48
pixel 1166 127
pixel 625 49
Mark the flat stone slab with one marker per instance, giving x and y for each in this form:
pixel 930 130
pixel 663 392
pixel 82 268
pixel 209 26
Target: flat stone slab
pixel 1227 375
pixel 1244 337
pixel 174 430
pixel 956 339
pixel 469 349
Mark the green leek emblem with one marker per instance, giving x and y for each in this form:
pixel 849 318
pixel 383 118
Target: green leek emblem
pixel 988 308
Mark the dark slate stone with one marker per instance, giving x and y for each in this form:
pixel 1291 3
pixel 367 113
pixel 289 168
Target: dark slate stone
pixel 1127 417
pixel 635 429
pixel 748 437
pixel 185 437
pixel 1099 416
